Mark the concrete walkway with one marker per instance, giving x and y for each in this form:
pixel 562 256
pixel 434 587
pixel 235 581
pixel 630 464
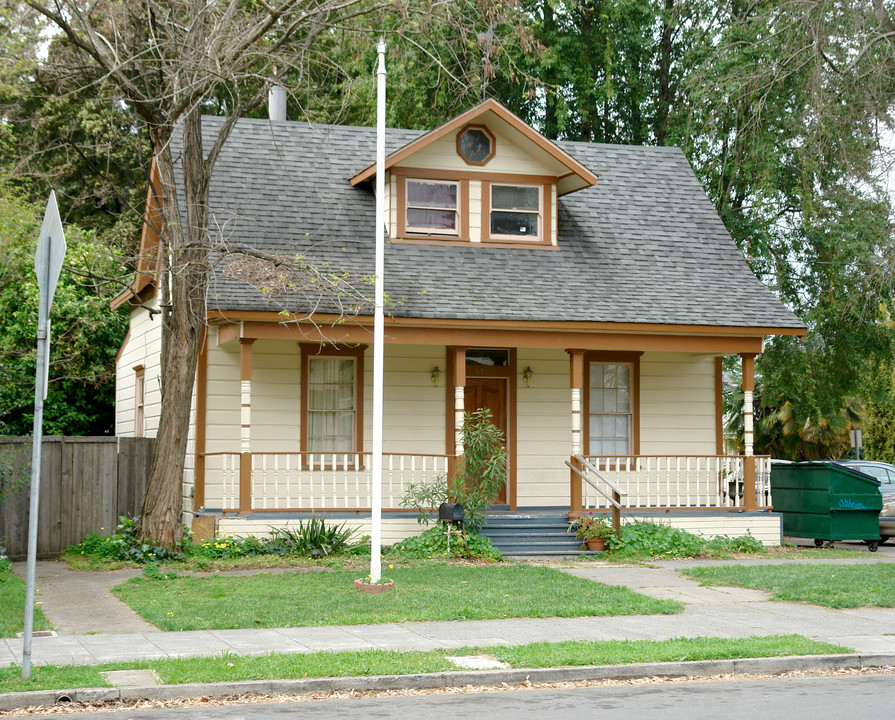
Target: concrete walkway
pixel 94 627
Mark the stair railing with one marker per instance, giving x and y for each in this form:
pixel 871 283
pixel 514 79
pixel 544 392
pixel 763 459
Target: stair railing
pixel 581 467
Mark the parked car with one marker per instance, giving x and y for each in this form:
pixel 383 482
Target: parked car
pixel 885 473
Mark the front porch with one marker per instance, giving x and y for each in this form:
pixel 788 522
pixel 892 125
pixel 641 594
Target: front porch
pixel 321 482
pixel 283 430
pixel 701 494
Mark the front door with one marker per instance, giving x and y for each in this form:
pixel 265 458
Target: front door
pixel 491 393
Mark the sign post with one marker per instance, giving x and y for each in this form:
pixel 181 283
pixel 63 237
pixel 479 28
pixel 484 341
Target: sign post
pixel 47 263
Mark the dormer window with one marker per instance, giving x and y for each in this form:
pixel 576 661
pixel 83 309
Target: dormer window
pixel 433 207
pixel 515 212
pixel 475 144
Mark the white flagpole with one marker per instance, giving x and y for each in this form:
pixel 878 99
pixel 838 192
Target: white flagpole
pixel 378 322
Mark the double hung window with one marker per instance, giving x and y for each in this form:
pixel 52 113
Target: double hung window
pixel 610 418
pixel 332 400
pixel 433 207
pixel 515 212
pixel 331 406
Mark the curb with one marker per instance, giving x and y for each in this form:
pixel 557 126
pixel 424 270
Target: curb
pixel 476 678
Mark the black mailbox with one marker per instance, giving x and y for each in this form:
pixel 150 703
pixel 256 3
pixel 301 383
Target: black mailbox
pixel 450 512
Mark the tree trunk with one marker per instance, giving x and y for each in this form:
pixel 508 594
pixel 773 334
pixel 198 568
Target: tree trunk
pixel 666 95
pixel 183 289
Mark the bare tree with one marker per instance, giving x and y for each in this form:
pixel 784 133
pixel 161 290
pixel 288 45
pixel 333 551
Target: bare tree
pixel 170 59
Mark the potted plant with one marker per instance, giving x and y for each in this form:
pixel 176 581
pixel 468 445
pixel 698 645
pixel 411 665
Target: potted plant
pixel 593 529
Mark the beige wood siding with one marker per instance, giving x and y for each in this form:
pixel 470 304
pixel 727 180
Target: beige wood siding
pixel 222 419
pixel 143 348
pixel 413 408
pixel 391 194
pixel 543 428
pixel 509 158
pixel 677 404
pixel 766 527
pixel 475 210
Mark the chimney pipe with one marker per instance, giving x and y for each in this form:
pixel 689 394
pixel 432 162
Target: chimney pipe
pixel 276 103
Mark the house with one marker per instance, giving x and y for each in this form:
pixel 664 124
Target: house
pixel 585 293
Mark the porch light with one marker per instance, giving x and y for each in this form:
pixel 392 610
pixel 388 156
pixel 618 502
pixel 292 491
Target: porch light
pixel 436 373
pixel 526 377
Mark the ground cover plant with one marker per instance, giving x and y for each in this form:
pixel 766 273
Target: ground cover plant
pixel 834 586
pixel 309 538
pixel 433 543
pixel 642 539
pixel 436 591
pixel 12 603
pixel 231 668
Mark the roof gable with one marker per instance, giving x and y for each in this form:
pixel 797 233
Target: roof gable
pixel 572 174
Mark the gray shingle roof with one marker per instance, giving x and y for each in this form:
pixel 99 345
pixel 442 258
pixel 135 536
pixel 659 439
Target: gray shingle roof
pixel 642 246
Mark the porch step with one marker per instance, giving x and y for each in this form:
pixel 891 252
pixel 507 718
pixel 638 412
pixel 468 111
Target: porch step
pixel 525 534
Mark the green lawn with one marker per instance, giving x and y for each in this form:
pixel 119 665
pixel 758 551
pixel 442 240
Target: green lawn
pixel 835 586
pixel 12 607
pixel 230 668
pixel 431 592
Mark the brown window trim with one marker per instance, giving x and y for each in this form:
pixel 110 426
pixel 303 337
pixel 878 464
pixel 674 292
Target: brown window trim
pixel 309 350
pixel 462 209
pixel 139 401
pixel 616 357
pixel 473 126
pixel 544 217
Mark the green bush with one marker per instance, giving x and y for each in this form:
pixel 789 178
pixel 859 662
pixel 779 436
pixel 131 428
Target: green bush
pixel 879 433
pixel 314 537
pixel 644 539
pixel 481 472
pixel 433 543
pixel 5 562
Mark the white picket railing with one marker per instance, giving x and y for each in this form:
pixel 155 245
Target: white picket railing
pixel 679 481
pixel 304 481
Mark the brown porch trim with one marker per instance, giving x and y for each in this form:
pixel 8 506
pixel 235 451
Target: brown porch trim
pixel 201 421
pixel 578 326
pixel 719 405
pixel 477 336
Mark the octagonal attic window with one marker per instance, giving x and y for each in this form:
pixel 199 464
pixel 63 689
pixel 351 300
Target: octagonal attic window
pixel 475 144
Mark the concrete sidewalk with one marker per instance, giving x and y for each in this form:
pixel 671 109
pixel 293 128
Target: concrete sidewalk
pixel 715 612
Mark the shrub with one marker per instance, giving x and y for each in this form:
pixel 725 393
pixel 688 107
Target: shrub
pixel 433 543
pixel 314 537
pixel 879 432
pixel 5 562
pixel 481 472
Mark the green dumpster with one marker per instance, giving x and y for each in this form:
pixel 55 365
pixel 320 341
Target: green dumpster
pixel 827 501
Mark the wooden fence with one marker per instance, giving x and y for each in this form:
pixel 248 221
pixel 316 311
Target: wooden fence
pixel 85 484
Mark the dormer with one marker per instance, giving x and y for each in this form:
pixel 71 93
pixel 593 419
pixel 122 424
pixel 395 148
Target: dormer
pixel 485 177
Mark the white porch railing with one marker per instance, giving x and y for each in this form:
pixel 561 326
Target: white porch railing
pixel 305 481
pixel 661 481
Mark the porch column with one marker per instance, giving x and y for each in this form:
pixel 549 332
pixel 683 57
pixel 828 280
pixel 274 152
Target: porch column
pixel 245 449
pixel 749 461
pixel 459 398
pixel 576 383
